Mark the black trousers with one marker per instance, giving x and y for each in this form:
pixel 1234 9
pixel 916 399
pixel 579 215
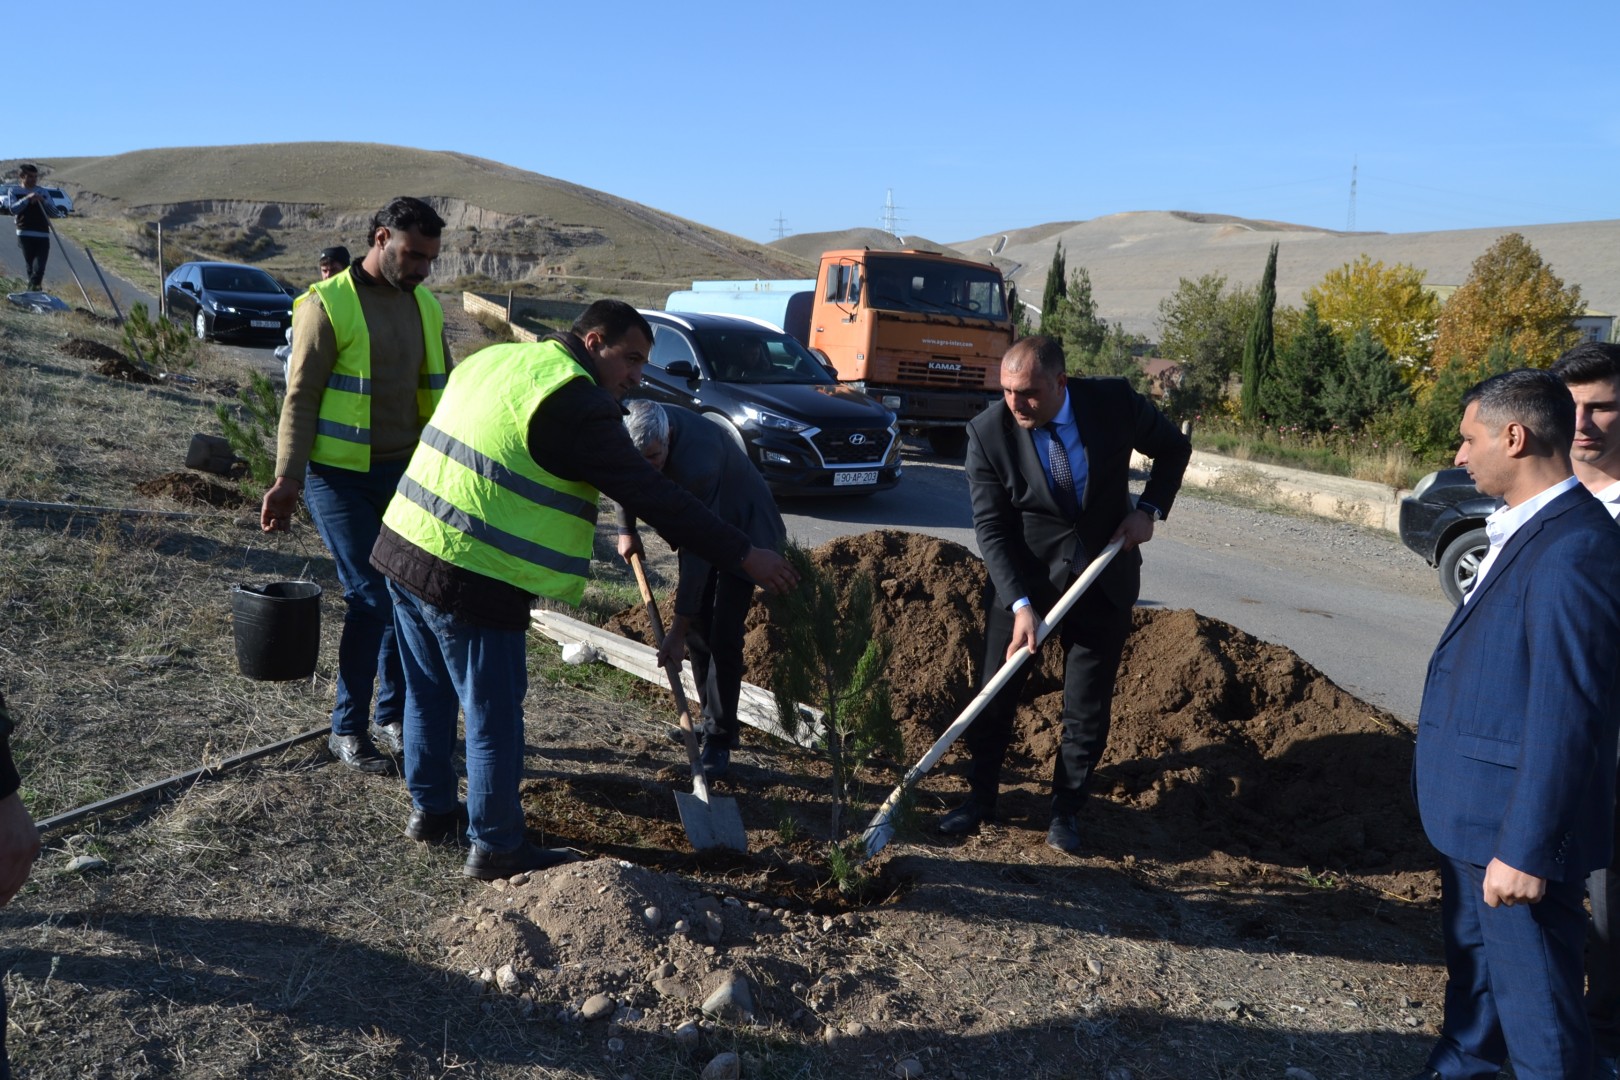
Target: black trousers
pixel 714 642
pixel 36 251
pixel 1603 954
pixel 1092 638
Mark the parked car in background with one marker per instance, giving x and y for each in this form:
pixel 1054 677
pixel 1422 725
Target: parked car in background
pixel 60 199
pixel 1443 520
pixel 228 301
pixel 806 433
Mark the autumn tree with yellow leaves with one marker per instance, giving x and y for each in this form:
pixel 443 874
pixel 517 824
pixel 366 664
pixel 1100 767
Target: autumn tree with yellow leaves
pixel 1512 298
pixel 1391 302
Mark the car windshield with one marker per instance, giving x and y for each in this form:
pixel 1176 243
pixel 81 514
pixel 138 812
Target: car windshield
pixel 899 283
pixel 754 356
pixel 242 279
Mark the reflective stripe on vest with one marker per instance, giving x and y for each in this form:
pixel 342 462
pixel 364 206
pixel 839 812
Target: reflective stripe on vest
pixel 473 495
pixel 343 428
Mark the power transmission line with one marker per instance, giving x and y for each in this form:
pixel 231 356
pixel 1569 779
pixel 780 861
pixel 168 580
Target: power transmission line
pixel 781 226
pixel 891 223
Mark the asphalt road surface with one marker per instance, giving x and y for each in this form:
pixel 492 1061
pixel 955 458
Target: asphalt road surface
pixel 1351 601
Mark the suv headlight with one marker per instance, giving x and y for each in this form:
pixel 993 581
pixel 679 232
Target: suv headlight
pixel 764 418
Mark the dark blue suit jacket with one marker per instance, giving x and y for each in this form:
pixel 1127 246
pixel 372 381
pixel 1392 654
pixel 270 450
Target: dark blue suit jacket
pixel 1516 735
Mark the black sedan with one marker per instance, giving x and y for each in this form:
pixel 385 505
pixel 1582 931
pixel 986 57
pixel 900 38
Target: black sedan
pixel 228 301
pixel 1443 520
pixel 807 434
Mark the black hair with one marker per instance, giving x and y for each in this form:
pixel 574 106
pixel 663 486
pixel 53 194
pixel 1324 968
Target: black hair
pixel 1588 362
pixel 1045 351
pixel 1537 399
pixel 403 213
pixel 612 319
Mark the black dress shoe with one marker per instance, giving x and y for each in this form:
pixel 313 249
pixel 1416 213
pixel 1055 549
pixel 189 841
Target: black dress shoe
pixel 358 752
pixel 429 828
pixel 1064 835
pixel 490 865
pixel 965 819
pixel 390 738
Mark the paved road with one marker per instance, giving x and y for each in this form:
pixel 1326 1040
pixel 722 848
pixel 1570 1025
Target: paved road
pixel 1353 602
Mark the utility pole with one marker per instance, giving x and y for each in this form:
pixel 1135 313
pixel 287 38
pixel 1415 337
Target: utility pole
pixel 1350 223
pixel 781 226
pixel 891 222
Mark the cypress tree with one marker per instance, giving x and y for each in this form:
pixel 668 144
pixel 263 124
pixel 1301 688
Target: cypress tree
pixel 1259 348
pixel 1057 289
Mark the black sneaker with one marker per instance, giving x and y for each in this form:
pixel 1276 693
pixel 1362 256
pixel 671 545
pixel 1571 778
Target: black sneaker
pixel 427 828
pixel 490 865
pixel 358 752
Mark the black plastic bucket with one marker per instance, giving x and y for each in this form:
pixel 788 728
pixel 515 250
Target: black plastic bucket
pixel 278 629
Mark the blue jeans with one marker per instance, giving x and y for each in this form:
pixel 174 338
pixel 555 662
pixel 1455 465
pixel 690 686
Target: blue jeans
pixel 347 507
pixel 449 664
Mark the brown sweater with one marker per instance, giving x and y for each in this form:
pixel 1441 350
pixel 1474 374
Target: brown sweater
pixel 397 354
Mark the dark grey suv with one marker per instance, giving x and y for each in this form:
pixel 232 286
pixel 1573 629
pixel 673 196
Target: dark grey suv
pixel 1443 520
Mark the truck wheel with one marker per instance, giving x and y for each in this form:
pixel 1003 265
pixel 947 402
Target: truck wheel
pixel 948 442
pixel 1459 566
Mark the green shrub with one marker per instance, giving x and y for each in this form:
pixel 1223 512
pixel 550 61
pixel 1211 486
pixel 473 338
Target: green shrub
pixel 251 428
pixel 157 343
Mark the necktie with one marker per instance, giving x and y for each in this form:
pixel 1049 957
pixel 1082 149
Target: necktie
pixel 1062 477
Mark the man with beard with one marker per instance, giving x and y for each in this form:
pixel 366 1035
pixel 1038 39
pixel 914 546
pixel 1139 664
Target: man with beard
pixel 367 368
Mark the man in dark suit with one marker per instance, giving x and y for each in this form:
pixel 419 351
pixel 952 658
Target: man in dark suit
pixel 1514 769
pixel 1048 476
pixel 710 605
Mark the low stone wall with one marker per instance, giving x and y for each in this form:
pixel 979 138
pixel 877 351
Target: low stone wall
pixel 1363 502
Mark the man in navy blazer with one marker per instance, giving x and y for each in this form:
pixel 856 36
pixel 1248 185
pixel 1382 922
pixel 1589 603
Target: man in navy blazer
pixel 1514 769
pixel 1048 476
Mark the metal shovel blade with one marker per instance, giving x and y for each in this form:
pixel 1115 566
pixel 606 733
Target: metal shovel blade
pixel 713 824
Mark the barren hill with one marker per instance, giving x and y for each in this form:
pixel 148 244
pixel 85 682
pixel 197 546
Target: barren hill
pixel 1136 259
pixel 278 203
pixel 811 245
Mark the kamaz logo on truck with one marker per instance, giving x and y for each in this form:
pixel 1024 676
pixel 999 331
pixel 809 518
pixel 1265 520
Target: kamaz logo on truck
pixel 943 365
pixel 952 344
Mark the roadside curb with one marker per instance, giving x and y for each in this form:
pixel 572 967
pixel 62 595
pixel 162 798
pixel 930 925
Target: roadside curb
pixel 1361 502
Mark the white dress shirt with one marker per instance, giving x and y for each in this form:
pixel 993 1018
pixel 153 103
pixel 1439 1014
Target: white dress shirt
pixel 1506 521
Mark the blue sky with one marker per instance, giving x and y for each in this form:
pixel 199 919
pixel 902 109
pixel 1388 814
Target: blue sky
pixel 979 117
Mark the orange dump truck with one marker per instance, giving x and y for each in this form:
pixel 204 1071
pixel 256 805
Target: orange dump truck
pixel 923 333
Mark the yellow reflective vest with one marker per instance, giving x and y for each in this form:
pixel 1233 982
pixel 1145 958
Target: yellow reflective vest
pixel 343 429
pixel 473 495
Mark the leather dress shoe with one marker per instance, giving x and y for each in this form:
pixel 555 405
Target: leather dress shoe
pixel 1064 834
pixel 965 819
pixel 715 758
pixel 427 828
pixel 390 738
pixel 358 752
pixel 490 865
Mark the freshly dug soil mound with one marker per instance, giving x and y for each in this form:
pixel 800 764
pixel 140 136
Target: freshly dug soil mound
pixel 1225 742
pixel 123 369
pixel 85 349
pixel 191 488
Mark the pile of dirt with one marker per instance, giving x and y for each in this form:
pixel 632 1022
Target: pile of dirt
pixel 1227 744
pixel 192 489
pixel 85 349
pixel 123 369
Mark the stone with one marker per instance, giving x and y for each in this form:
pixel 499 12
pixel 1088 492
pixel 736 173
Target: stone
pixel 1094 965
pixel 855 1029
pixel 687 1035
pixel 831 1035
pixel 1227 1005
pixel 731 1000
pixel 85 864
pixel 671 987
pixel 662 971
pixel 681 926
pixel 714 928
pixel 909 1069
pixel 506 977
pixel 727 1066
pixel 653 916
pixel 615 1046
pixel 598 1007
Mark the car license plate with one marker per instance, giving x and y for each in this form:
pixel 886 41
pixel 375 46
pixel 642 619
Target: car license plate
pixel 855 479
pixel 266 324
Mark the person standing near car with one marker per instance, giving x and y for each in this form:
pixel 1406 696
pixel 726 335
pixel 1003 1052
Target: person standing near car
pixel 498 506
pixel 711 605
pixel 333 261
pixel 31 209
pixel 368 365
pixel 1591 371
pixel 1514 767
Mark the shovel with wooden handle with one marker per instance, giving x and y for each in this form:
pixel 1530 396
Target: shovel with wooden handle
pixel 711 821
pixel 881 830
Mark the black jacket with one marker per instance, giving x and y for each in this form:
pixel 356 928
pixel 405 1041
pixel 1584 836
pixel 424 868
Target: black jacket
pixel 1030 548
